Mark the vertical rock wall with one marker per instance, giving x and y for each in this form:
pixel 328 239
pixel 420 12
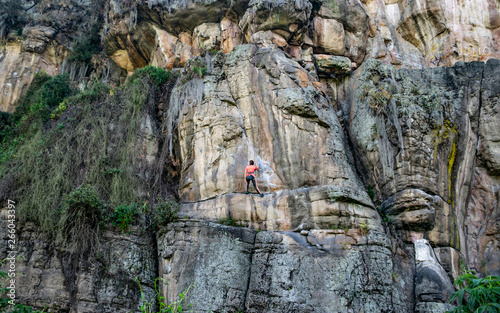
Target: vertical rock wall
pixel 421 145
pixel 233 269
pixel 101 278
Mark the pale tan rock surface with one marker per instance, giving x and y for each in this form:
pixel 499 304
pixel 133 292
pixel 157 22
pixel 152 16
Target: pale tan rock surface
pixel 18 67
pixel 329 36
pixel 231 35
pixel 408 34
pixel 270 110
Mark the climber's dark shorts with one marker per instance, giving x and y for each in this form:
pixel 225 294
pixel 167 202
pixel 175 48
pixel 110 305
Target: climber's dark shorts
pixel 251 178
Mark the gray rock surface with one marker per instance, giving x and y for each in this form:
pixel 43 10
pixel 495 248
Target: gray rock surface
pixel 102 279
pixel 214 260
pixel 432 284
pixel 234 269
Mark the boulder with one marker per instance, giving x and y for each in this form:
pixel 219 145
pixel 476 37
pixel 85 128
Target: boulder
pixel 329 36
pixel 206 37
pixel 416 212
pixel 332 66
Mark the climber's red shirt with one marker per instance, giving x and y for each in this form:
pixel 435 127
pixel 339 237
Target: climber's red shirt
pixel 250 170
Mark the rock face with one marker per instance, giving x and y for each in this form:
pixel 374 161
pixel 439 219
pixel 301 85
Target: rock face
pixel 318 271
pixel 414 135
pixel 481 216
pixel 432 285
pixel 380 166
pixel 409 34
pixel 427 139
pixel 18 67
pixel 103 279
pixel 269 109
pixel 40 43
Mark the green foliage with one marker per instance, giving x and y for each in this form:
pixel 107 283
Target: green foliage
pixel 344 227
pixel 199 71
pixel 385 218
pixel 156 74
pixel 363 230
pixel 53 92
pixel 229 221
pixel 165 212
pixel 214 51
pixel 95 91
pixel 32 111
pixel 196 67
pixel 477 295
pixel 84 198
pixel 164 306
pixel 31 96
pixel 6 123
pixel 92 143
pixel 88 45
pixel 60 109
pixel 80 213
pixel 36 110
pixel 47 164
pixel 123 215
pixel 8 147
pixel 4 300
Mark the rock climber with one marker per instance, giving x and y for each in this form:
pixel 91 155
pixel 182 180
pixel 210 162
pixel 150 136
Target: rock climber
pixel 250 176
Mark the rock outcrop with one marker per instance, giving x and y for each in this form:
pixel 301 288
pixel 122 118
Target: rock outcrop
pixel 257 104
pixel 409 34
pixel 231 269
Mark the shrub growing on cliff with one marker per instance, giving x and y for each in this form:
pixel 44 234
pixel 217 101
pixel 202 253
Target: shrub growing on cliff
pixel 5 125
pixel 86 46
pixel 99 145
pixel 158 75
pixel 32 111
pixel 477 295
pixel 123 215
pixel 80 213
pixel 165 212
pixel 35 108
pixel 54 91
pixel 229 221
pixel 164 305
pixel 30 97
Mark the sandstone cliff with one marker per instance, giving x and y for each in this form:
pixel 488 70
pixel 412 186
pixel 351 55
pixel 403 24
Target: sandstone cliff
pixel 376 137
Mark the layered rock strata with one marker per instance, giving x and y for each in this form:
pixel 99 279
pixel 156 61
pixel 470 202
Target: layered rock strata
pixel 408 34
